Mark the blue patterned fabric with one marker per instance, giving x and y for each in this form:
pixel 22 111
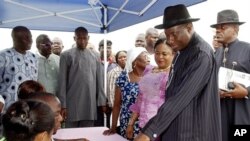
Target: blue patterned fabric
pixel 15 68
pixel 129 93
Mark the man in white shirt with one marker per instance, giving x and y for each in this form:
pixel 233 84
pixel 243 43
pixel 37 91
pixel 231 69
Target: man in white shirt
pixel 151 37
pixel 48 68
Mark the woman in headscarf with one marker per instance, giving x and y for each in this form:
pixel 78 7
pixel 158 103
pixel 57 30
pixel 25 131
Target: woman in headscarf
pixel 152 87
pixel 127 89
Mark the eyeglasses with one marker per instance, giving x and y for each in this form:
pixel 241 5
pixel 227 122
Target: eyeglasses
pixel 46 45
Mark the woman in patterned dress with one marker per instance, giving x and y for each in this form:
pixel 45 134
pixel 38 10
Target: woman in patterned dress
pixel 127 90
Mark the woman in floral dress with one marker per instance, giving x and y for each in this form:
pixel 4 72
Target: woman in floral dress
pixel 127 90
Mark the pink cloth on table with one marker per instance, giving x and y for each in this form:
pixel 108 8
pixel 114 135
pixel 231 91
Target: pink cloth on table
pixel 151 95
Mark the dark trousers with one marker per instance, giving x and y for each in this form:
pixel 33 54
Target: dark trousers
pixel 100 117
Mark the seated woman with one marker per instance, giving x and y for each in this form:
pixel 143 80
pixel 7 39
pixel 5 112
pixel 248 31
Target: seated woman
pixel 28 87
pixel 127 89
pixel 151 87
pixel 28 121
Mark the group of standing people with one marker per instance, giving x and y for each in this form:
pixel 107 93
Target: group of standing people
pixel 18 64
pixel 194 107
pixel 177 98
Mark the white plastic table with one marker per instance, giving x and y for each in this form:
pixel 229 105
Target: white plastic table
pixel 90 133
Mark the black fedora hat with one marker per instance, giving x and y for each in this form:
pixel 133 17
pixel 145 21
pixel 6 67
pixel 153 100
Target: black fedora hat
pixel 227 16
pixel 175 15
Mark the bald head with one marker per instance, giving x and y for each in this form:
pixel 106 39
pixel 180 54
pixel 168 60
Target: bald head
pixel 140 40
pixel 57 39
pixel 57 46
pixel 151 37
pixel 151 31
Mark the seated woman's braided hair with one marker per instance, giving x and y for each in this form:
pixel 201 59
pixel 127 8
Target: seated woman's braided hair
pixel 24 120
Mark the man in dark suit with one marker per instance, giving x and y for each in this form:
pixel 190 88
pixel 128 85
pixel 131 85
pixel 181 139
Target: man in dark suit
pixel 191 111
pixel 235 54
